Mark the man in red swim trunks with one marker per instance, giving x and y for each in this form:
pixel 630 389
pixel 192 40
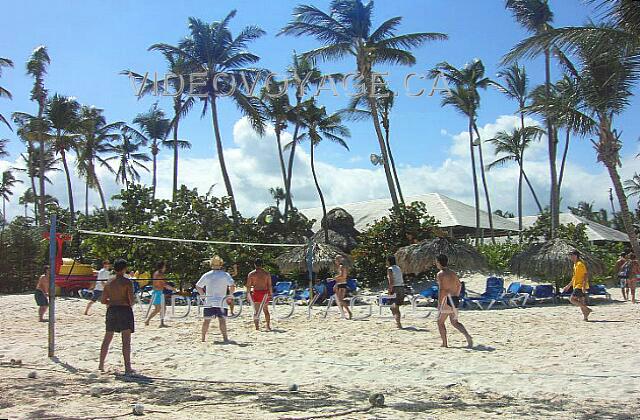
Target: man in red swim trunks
pixel 260 280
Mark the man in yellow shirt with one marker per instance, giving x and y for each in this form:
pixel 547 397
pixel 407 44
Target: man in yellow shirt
pixel 579 283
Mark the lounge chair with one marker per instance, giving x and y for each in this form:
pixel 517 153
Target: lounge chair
pixel 598 290
pixel 283 288
pixel 544 292
pixel 525 291
pixel 494 292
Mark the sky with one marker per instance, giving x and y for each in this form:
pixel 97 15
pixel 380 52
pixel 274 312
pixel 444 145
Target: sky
pixel 90 42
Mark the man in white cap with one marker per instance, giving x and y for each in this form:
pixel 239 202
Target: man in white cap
pixel 213 287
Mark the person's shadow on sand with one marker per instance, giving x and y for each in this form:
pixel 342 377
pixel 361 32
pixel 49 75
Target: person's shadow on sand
pixel 414 329
pixel 230 343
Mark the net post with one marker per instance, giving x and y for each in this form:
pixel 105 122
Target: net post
pixel 52 285
pixel 310 267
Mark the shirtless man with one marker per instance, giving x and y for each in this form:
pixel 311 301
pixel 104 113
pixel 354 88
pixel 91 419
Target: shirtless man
pixel 260 280
pixel 42 294
pixel 621 271
pixel 157 295
pixel 118 296
pixel 449 293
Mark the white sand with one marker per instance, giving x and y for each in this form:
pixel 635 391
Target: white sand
pixel 539 361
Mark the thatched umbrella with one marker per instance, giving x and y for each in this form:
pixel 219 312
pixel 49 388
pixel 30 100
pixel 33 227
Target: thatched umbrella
pixel 340 229
pixel 323 258
pixel 551 260
pixel 421 257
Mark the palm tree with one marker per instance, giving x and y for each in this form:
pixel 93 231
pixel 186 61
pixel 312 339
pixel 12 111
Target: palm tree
pixel 177 82
pixel 465 98
pixel 511 145
pixel 536 17
pixel 516 87
pixel 3 147
pixel 127 155
pixel 63 113
pixel 96 136
pixel 632 186
pixel 301 69
pixel 31 167
pixel 319 126
pixel 278 194
pixel 154 128
pixel 212 49
pixel 7 183
pixel 385 99
pixel 278 110
pixel 28 197
pixel 346 30
pixel 37 68
pixel 5 62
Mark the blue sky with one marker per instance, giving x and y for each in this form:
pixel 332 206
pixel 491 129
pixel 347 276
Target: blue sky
pixel 90 42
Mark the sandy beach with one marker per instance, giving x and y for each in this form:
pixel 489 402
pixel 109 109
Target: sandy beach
pixel 540 361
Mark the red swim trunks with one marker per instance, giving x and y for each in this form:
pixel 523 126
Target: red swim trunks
pixel 258 295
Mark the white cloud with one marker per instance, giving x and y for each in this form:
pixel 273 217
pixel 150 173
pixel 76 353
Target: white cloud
pixel 254 167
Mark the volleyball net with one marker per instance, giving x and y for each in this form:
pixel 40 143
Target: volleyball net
pixel 189 300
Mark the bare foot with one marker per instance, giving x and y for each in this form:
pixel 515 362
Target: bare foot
pixel 469 342
pixel 101 368
pixel 268 329
pixel 399 325
pixel 164 326
pixel 146 323
pixel 444 345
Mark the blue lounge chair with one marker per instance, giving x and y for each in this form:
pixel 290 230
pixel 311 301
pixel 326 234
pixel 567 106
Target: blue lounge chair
pixel 598 290
pixel 283 288
pixel 544 292
pixel 494 291
pixel 525 291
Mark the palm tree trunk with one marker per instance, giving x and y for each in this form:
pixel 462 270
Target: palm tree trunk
pixel 282 168
pixel 383 148
pixel 86 198
pixel 102 199
pixel 324 206
pixel 42 160
pixel 391 160
pixel 521 175
pixel 564 159
pixel 476 195
pixel 608 153
pixel 175 148
pixel 533 192
pixel 35 195
pixel 223 166
pixel 69 189
pixel 154 153
pixel 484 184
pixel 554 199
pixel 288 205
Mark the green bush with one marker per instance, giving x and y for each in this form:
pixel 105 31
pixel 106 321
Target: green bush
pixel 404 226
pixel 23 252
pixel 499 255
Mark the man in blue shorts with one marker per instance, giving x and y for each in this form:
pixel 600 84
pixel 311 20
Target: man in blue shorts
pixel 212 286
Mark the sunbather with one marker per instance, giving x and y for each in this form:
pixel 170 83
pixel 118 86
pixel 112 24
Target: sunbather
pixel 448 299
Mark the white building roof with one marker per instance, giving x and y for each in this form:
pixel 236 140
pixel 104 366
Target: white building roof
pixel 595 231
pixel 451 213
